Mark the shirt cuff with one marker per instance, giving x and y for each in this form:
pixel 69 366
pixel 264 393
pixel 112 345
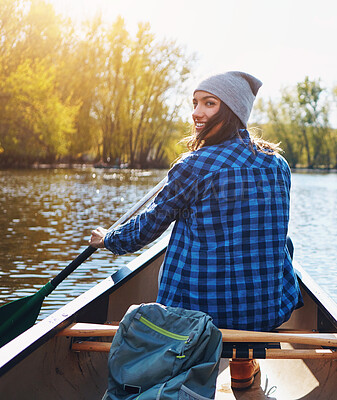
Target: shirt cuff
pixel 111 244
pixel 107 242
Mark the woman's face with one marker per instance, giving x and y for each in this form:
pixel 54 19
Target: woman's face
pixel 205 106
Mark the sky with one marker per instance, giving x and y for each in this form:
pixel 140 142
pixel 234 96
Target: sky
pixel 279 42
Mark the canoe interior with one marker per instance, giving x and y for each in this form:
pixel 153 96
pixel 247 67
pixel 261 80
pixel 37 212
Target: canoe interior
pixel 46 367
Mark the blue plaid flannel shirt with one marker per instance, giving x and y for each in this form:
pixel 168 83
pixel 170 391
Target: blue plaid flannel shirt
pixel 227 254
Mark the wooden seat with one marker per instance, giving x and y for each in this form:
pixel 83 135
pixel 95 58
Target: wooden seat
pixel 230 337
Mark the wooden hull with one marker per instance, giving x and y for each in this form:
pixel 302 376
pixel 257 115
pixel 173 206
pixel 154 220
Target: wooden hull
pixel 39 364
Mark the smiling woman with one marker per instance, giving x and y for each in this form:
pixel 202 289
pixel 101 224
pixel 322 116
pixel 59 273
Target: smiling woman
pixel 221 117
pixel 229 202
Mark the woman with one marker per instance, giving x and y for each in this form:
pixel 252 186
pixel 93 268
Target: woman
pixel 229 198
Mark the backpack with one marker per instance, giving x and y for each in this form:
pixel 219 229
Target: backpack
pixel 164 353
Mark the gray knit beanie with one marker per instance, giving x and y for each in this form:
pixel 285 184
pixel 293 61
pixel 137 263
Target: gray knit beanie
pixel 236 89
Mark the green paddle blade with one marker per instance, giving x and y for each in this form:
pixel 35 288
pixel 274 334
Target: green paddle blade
pixel 19 315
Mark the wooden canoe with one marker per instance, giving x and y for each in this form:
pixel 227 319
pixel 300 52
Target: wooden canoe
pixel 43 363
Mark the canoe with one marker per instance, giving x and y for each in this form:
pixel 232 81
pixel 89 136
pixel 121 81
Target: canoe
pixel 44 363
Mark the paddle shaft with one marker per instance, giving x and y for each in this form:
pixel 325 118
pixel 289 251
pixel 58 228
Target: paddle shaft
pixel 90 250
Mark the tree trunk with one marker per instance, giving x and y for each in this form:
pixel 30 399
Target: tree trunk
pixel 307 147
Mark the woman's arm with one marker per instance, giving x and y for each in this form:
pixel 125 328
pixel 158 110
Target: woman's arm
pixel 155 219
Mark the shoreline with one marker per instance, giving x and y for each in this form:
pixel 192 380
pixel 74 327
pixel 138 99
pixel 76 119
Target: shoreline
pixel 112 167
pixel 74 166
pixel 314 170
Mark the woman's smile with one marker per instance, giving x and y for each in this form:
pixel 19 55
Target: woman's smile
pixel 199 126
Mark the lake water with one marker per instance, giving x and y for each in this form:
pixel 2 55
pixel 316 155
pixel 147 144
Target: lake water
pixel 46 217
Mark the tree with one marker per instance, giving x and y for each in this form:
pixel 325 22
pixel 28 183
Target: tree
pixel 313 120
pixel 280 125
pixel 333 137
pixel 300 120
pixel 68 94
pixel 35 123
pixel 133 103
pixel 78 75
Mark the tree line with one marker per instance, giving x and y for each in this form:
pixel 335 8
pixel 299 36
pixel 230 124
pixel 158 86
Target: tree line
pixel 96 93
pixel 93 92
pixel 300 121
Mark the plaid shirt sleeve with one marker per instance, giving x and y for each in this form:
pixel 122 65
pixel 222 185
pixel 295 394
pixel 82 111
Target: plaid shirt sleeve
pixel 157 217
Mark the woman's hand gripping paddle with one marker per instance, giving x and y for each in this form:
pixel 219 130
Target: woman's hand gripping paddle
pixel 19 315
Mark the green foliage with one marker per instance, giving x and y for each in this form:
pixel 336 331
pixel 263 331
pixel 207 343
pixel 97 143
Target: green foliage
pixel 96 92
pixel 35 123
pixel 300 121
pixel 134 94
pixel 88 93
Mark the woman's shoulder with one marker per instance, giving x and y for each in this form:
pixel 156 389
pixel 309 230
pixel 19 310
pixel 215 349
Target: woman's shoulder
pixel 212 157
pixel 229 155
pixel 282 162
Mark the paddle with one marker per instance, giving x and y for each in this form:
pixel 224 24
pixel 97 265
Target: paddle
pixel 19 315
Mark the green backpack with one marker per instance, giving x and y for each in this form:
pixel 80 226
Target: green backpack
pixel 164 353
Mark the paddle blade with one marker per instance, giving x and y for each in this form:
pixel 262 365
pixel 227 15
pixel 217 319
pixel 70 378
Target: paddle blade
pixel 18 316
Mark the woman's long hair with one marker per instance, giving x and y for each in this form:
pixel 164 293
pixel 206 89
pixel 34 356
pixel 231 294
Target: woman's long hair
pixel 229 128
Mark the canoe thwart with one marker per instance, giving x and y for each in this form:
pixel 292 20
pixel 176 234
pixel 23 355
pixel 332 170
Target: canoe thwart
pixel 80 329
pixel 228 335
pixel 270 353
pixel 236 344
pixel 102 347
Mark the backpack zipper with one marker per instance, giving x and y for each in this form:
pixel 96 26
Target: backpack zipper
pixel 162 331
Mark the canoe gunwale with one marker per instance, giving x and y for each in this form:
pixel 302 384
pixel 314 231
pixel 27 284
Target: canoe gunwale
pixel 327 307
pixel 22 346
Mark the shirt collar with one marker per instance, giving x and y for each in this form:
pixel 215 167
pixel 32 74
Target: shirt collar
pixel 245 137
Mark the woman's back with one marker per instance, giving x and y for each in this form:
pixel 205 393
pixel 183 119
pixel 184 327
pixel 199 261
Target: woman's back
pixel 228 248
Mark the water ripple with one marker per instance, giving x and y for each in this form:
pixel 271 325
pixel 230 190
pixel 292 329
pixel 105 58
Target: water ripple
pixel 46 218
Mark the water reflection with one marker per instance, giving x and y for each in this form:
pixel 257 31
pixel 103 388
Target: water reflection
pixel 313 226
pixel 46 217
